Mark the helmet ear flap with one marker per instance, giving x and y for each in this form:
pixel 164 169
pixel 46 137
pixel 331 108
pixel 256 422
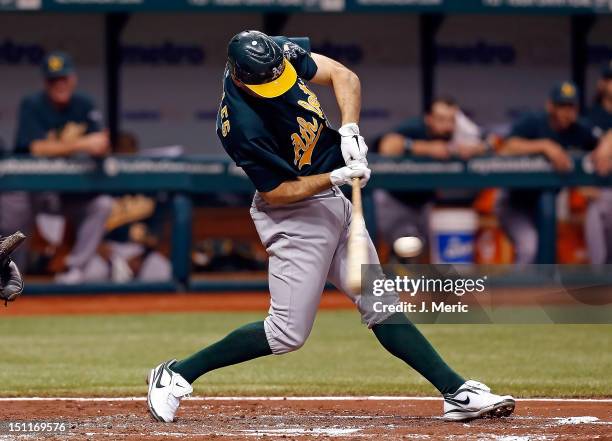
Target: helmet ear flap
pixel 231 68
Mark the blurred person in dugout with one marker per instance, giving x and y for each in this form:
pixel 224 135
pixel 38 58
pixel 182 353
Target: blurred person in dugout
pixel 598 222
pixel 554 133
pixel 59 122
pixel 442 133
pixel 132 248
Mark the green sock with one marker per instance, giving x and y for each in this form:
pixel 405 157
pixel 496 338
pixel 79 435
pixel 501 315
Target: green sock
pixel 401 338
pixel 243 344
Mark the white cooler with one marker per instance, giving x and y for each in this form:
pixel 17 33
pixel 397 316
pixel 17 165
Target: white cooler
pixel 452 233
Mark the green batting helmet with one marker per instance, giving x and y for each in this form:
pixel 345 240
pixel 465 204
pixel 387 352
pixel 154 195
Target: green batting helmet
pixel 258 62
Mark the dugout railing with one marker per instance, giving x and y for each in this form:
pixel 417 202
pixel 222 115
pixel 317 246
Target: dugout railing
pixel 187 177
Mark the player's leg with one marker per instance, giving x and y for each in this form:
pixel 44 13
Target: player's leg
pixel 395 219
pixel 462 399
pixel 300 240
pixel 598 228
pixel 394 331
pixel 295 291
pixel 519 225
pixel 93 214
pixel 16 214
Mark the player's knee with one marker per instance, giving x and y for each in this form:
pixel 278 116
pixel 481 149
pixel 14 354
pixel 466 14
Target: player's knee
pixel 292 344
pixel 102 204
pixel 527 247
pixel 282 338
pixel 376 309
pixel 285 343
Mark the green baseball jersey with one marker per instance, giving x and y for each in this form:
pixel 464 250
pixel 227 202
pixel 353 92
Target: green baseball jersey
pixel 278 139
pixel 38 117
pixel 600 117
pixel 414 129
pixel 580 135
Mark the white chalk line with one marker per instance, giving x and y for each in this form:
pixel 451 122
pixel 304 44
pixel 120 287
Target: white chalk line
pixel 296 398
pixel 352 432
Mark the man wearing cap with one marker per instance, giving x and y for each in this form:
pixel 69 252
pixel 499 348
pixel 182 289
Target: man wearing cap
pixel 272 125
pixel 551 133
pixel 598 221
pixel 59 122
pixel 442 133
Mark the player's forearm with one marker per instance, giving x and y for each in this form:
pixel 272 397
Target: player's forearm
pixel 346 84
pixel 429 149
pixel 392 144
pixel 347 89
pixel 50 148
pixel 520 146
pixel 420 148
pixel 294 191
pixel 605 144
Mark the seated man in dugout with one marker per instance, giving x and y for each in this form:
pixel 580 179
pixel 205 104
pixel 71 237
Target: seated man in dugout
pixel 442 133
pixel 59 122
pixel 598 221
pixel 553 132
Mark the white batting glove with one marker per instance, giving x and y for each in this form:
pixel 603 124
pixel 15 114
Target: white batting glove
pixel 352 144
pixel 345 175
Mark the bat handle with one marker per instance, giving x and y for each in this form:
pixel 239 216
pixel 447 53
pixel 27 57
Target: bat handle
pixel 356 196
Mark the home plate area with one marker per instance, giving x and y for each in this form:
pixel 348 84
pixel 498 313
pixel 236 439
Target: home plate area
pixel 315 417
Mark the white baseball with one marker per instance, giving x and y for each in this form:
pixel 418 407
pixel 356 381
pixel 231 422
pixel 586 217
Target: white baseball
pixel 408 246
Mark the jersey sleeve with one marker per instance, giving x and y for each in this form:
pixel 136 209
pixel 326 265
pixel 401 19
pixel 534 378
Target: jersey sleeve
pixel 29 127
pixel 590 134
pixel 412 128
pixel 297 51
pixel 93 117
pixel 262 165
pixel 525 127
pixel 600 118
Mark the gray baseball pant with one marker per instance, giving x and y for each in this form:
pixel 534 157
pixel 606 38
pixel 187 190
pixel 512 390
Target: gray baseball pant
pixel 395 219
pixel 519 223
pixel 88 212
pixel 598 228
pixel 15 214
pixel 307 245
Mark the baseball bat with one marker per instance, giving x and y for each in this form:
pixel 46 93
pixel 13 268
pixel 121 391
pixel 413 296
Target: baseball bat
pixel 357 242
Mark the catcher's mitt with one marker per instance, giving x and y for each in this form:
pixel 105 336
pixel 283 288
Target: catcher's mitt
pixel 11 283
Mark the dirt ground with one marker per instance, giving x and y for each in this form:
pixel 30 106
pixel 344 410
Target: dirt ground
pixel 154 303
pixel 295 419
pixel 231 301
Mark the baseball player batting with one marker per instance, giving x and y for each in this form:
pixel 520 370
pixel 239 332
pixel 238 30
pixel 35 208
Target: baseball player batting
pixel 272 125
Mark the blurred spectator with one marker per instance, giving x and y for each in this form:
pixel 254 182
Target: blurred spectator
pixel 551 133
pixel 58 122
pixel 13 208
pixel 601 112
pixel 444 131
pixel 598 222
pixel 15 214
pixel 131 249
